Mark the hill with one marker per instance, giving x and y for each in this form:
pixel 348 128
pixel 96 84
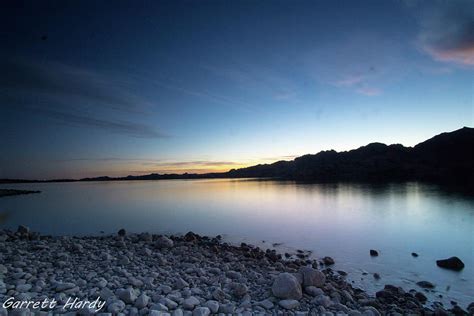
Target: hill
pixel 447 157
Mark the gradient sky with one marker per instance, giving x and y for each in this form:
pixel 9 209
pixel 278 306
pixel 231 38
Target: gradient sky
pixel 91 88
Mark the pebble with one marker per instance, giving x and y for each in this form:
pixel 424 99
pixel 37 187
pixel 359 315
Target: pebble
pixel 145 274
pixel 289 304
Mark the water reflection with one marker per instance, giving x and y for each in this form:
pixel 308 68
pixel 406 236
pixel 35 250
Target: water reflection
pixel 341 220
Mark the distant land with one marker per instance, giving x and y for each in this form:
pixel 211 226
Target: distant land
pixel 446 158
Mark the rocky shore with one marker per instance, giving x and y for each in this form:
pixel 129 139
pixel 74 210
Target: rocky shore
pixel 145 274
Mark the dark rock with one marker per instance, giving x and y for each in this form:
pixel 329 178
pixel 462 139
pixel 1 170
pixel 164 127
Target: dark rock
pixel 414 254
pixel 328 261
pixel 425 285
pixel 376 276
pixel 374 253
pixel 458 311
pixel 24 230
pixel 453 263
pixel 122 232
pixel 421 297
pixel 190 236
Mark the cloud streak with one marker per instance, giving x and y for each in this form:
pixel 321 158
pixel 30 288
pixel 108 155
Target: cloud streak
pixel 447 31
pixel 69 94
pixel 118 126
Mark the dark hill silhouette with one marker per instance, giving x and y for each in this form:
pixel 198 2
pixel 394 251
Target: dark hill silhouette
pixel 445 157
pixel 448 157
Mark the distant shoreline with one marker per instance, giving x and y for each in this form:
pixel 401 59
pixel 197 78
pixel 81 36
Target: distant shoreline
pixel 11 192
pixel 445 159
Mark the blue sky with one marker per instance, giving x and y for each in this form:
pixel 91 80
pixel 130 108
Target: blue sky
pixel 131 87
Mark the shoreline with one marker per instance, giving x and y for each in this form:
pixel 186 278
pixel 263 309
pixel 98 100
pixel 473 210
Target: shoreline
pixel 13 192
pixel 187 275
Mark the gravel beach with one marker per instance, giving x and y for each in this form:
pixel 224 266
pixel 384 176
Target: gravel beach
pixel 145 274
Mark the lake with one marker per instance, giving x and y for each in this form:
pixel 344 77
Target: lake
pixel 343 221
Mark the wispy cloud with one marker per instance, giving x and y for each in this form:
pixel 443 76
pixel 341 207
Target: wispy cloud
pixel 69 95
pixel 362 62
pixel 447 30
pixel 359 84
pixel 264 80
pixel 369 91
pixel 117 126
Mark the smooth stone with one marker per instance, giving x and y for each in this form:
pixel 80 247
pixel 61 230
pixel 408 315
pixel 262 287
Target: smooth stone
pixel 116 306
pixel 267 304
pixel 64 286
pixel 312 277
pixel 201 311
pixel 142 301
pixel 163 242
pixel 212 305
pixel 286 286
pixel 127 295
pixel 239 289
pixel 453 263
pixel 24 230
pixel 159 307
pixel 178 312
pixel 190 302
pixel 313 291
pixel 180 284
pixel 374 253
pixel 328 261
pixel 289 304
pixel 425 284
pixel 228 308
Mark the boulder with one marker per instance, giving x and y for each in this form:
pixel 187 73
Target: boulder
pixel 190 302
pixel 24 230
pixel 286 286
pixel 127 295
pixel 425 285
pixel 164 242
pixel 328 261
pixel 289 304
pixel 374 253
pixel 142 301
pixel 201 311
pixel 312 277
pixel 453 263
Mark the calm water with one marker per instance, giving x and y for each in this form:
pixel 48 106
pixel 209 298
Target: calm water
pixel 343 221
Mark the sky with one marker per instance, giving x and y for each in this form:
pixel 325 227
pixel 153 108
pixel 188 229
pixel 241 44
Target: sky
pixel 92 88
